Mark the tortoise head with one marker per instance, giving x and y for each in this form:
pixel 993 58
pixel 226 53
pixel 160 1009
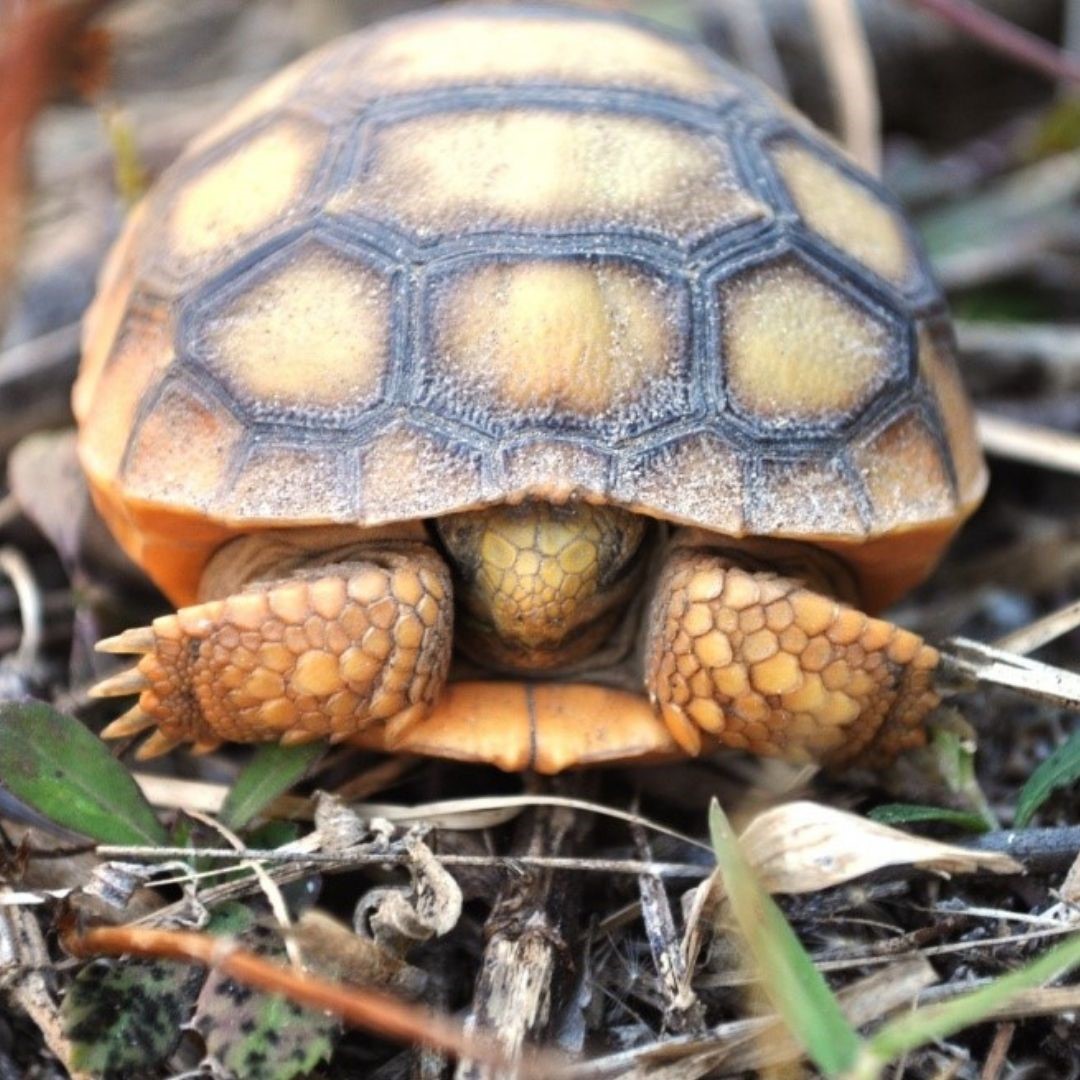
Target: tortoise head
pixel 541 584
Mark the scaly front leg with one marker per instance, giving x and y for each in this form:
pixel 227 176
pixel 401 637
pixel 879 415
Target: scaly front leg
pixel 324 653
pixel 764 663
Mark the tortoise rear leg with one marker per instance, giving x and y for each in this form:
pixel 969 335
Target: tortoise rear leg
pixel 765 663
pixel 323 653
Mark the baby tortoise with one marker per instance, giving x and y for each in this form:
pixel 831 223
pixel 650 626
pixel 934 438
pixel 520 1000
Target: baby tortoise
pixel 465 333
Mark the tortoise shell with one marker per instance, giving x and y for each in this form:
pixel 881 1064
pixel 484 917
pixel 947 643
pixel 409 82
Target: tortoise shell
pixel 481 254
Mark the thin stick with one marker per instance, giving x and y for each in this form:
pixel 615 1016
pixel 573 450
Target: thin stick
pixel 1003 37
pixel 850 70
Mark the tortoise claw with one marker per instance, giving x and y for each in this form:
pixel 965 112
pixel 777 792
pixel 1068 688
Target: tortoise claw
pixel 133 722
pixel 207 747
pixel 132 681
pixel 300 736
pixel 157 745
pixel 141 639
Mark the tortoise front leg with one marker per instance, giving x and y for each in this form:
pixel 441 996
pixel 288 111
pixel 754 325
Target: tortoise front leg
pixel 764 663
pixel 324 653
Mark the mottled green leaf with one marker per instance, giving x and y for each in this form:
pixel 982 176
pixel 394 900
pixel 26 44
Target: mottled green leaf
pixel 261 1036
pixel 912 813
pixel 795 987
pixel 271 772
pixel 1062 767
pixel 124 1017
pixel 53 763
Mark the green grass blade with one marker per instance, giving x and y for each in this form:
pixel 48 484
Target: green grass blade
pixel 1062 767
pixel 271 772
pixel 915 1029
pixel 54 764
pixel 913 813
pixel 795 987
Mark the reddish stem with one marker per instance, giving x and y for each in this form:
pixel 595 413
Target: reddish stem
pixel 1002 36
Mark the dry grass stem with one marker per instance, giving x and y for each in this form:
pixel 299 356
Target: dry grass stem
pixel 1045 447
pixel 850 70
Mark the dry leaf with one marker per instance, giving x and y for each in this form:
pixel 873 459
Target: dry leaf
pixel 803 846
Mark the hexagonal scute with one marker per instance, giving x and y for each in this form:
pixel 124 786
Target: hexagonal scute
pixel 455 173
pixel 304 333
pixel 850 216
pixel 575 344
pixel 224 204
pixel 798 352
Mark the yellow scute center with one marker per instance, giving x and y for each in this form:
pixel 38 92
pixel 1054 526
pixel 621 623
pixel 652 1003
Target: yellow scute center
pixel 314 332
pixel 557 335
pixel 796 349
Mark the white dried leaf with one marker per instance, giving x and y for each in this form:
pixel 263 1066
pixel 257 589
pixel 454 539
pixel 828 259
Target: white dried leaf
pixel 803 846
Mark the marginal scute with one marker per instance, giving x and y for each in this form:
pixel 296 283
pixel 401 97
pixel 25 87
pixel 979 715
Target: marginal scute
pixel 532 168
pixel 848 215
pixel 180 451
pixel 937 365
pixel 558 470
pixel 286 482
pixel 597 342
pixel 429 474
pixel 106 315
pixel 797 350
pixel 139 357
pixel 695 479
pixel 311 334
pixel 904 474
pixel 259 184
pixel 476 48
pixel 815 492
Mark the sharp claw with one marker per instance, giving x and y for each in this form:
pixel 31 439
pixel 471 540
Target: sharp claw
pixel 207 747
pixel 155 746
pixel 139 640
pixel 132 681
pixel 133 722
pixel 340 737
pixel 298 736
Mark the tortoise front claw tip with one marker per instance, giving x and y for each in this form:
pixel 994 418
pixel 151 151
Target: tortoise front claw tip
pixel 132 681
pixel 156 746
pixel 133 722
pixel 139 640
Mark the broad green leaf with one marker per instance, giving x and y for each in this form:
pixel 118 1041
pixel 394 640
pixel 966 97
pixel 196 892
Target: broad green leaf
pixel 124 1017
pixel 911 813
pixel 922 1026
pixel 53 763
pixel 1062 767
pixel 795 987
pixel 272 771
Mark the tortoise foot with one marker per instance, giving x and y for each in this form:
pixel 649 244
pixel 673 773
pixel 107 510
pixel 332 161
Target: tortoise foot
pixel 763 663
pixel 322 654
